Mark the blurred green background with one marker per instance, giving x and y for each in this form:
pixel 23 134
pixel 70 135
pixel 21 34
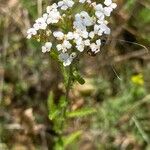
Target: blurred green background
pixel 117 83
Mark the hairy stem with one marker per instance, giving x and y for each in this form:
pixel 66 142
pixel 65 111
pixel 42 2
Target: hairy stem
pixel 68 86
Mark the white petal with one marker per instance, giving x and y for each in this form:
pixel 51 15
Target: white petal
pixel 44 50
pixel 58 34
pixel 80 48
pixel 60 3
pixel 67 62
pixel 99 7
pixel 85 34
pixel 59 47
pixel 70 3
pixel 82 1
pixel 93 47
pixel 99 15
pixel 64 7
pixel 29 36
pixel 45 16
pixel 87 42
pixel 113 5
pixel 98 42
pixel 70 36
pixel 107 11
pixel 63 56
pixel 67 44
pixel 48 45
pixel 91 34
pixel 108 2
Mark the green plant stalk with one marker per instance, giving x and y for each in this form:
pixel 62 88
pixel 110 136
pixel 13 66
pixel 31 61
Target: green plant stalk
pixel 67 82
pixel 68 86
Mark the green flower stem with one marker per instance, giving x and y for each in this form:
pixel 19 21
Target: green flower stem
pixel 68 86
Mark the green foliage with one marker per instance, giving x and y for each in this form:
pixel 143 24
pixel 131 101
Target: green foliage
pixel 56 114
pixel 81 112
pixel 144 15
pixel 53 111
pixel 63 142
pixel 26 77
pixel 129 4
pixel 122 114
pixel 78 78
pixel 71 138
pixel 31 7
pixel 54 55
pixel 56 111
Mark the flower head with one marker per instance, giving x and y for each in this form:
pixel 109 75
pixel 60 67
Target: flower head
pixel 73 31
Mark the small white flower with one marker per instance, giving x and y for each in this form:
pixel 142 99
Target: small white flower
pixel 80 44
pixel 110 6
pixel 64 46
pixel 82 20
pixel 65 4
pixel 76 35
pixel 47 47
pixel 99 11
pixel 99 29
pixel 95 47
pixel 67 44
pixel 70 36
pixel 51 8
pixel 45 16
pixel 104 29
pixel 80 47
pixel 53 17
pixel 40 24
pixel 65 58
pixel 31 32
pixel 91 34
pixel 99 7
pixel 109 2
pixel 84 34
pixel 87 42
pixel 78 23
pixel 86 19
pixel 59 47
pixel 53 14
pixel 59 35
pixel 79 41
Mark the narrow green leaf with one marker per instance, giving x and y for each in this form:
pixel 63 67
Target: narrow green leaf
pixel 53 111
pixel 78 77
pixel 81 113
pixel 54 114
pixel 62 102
pixel 71 138
pixel 50 102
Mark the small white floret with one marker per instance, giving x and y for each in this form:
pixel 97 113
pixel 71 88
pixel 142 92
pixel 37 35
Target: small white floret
pixel 47 47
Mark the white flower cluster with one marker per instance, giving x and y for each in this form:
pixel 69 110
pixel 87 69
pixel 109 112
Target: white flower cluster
pixel 87 27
